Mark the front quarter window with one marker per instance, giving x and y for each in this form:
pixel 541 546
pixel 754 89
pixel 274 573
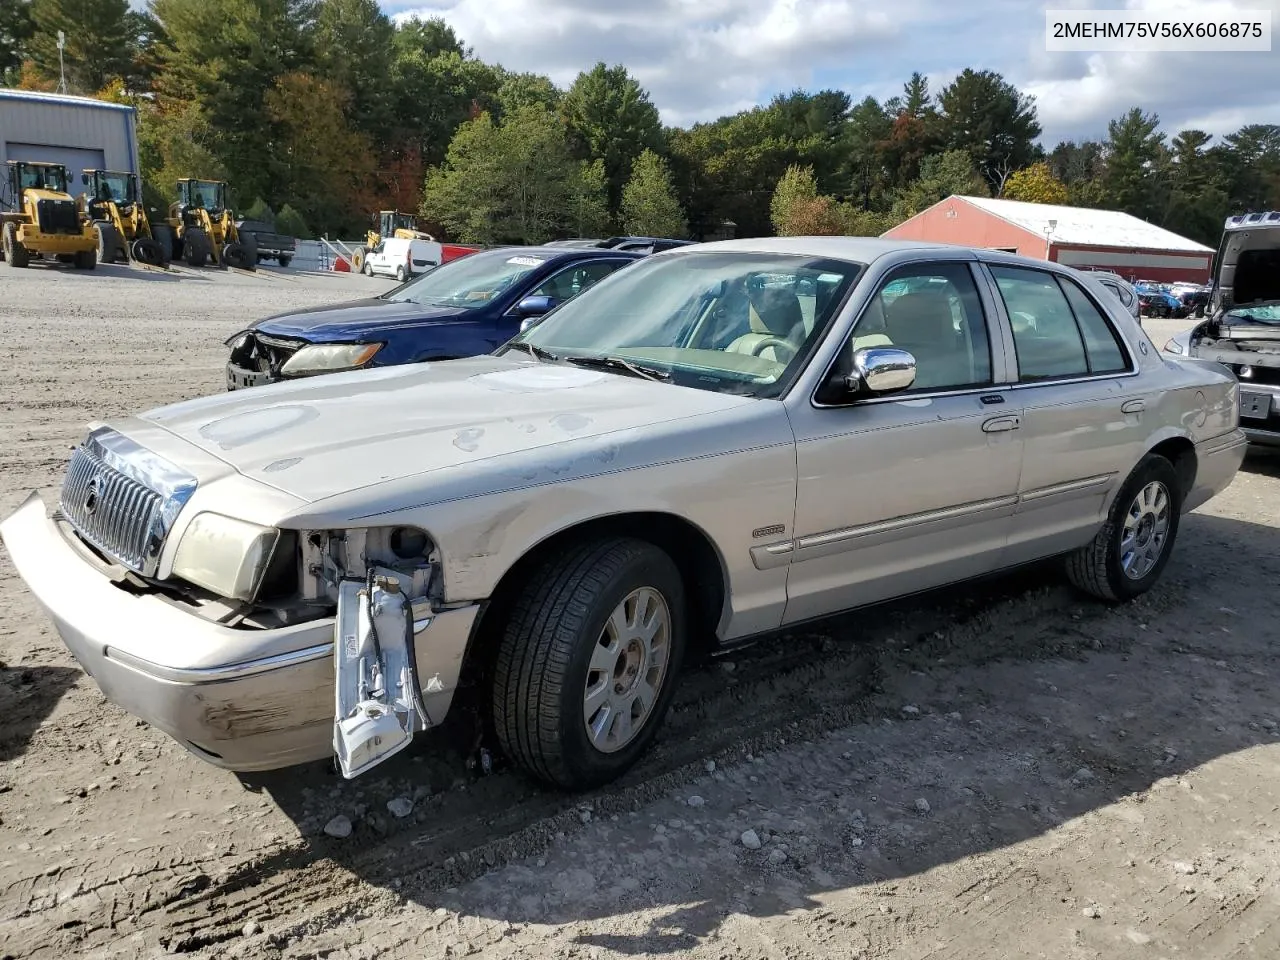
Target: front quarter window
pixel 733 322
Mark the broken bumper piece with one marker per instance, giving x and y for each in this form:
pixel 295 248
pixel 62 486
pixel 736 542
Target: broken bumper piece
pixel 239 699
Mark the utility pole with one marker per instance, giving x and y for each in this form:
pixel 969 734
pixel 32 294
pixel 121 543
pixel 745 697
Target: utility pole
pixel 62 70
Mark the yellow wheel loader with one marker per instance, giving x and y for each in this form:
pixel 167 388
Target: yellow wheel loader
pixel 391 223
pixel 113 204
pixel 39 219
pixel 201 229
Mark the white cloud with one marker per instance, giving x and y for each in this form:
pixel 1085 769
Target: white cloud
pixel 701 59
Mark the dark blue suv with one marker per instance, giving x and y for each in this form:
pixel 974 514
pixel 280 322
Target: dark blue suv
pixel 463 308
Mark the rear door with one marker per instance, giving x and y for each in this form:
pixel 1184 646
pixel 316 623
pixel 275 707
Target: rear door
pixel 1082 403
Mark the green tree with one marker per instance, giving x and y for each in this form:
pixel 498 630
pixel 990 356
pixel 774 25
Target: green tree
pixel 992 121
pixel 1035 184
pixel 941 175
pixel 589 201
pixel 611 118
pixel 1134 145
pixel 97 41
pixel 650 207
pixel 435 94
pixel 328 166
pixel 291 223
pixel 354 43
pixel 428 38
pixel 518 90
pixel 258 210
pixel 864 170
pixel 508 182
pixel 15 32
pixel 223 59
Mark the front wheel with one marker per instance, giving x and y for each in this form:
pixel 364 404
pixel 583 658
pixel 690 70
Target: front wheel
pixel 588 661
pixel 285 261
pixel 1129 553
pixel 359 257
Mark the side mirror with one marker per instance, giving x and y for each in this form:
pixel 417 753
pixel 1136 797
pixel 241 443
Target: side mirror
pixel 881 370
pixel 535 306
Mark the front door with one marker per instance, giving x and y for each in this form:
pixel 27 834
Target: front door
pixel 908 491
pixel 1083 420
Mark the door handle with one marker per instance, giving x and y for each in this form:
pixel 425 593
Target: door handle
pixel 1001 424
pixel 1133 406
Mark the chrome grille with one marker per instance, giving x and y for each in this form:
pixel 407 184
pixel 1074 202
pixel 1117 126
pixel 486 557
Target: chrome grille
pixel 123 499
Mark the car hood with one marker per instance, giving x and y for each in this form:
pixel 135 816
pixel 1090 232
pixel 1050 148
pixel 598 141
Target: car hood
pixel 357 320
pixel 327 435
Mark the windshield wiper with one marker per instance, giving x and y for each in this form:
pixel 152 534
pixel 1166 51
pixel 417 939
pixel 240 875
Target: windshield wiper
pixel 618 363
pixel 537 352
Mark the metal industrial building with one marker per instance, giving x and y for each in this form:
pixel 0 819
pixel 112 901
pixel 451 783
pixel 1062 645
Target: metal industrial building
pixel 79 132
pixel 1078 237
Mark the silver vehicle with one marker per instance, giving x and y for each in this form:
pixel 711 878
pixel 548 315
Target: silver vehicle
pixel 716 443
pixel 1242 329
pixel 1122 290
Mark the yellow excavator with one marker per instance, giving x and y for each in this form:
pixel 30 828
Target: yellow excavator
pixel 201 229
pixel 41 220
pixel 113 203
pixel 391 223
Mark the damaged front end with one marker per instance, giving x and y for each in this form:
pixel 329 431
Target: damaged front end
pixel 378 705
pixel 1246 340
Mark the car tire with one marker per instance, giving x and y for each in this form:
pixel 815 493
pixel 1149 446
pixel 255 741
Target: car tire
pixel 1129 552
pixel 401 275
pixel 568 665
pixel 285 261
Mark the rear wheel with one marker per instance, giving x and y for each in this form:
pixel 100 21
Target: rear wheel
pixel 85 259
pixel 285 261
pixel 15 254
pixel 1129 553
pixel 588 661
pixel 401 274
pixel 358 258
pixel 109 243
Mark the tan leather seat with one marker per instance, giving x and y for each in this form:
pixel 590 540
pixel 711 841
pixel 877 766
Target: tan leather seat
pixel 774 314
pixel 921 323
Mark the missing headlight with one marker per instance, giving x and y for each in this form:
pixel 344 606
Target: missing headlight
pixel 408 543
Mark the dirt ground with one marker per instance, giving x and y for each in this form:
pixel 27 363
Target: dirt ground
pixel 997 770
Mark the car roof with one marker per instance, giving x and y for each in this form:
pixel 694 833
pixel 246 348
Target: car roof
pixel 549 253
pixel 854 249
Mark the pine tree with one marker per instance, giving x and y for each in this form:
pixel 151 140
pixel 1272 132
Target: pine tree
pixel 650 207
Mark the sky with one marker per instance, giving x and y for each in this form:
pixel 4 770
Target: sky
pixel 701 59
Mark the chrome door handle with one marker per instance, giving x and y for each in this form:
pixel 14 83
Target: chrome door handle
pixel 1133 406
pixel 1001 424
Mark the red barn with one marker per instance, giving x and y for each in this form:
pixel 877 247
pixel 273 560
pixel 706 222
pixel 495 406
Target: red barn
pixel 1075 236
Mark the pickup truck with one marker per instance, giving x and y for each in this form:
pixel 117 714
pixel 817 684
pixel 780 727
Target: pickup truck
pixel 271 245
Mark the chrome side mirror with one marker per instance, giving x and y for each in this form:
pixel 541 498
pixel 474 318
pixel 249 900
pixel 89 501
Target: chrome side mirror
pixel 881 370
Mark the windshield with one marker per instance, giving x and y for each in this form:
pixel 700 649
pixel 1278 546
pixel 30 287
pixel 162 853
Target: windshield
pixel 113 186
pixel 469 282
pixel 206 193
pixel 726 321
pixel 1268 312
pixel 44 178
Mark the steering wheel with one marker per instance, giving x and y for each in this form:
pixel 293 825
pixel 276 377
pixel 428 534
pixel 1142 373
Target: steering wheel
pixel 766 342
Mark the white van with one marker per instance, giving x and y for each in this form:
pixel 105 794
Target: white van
pixel 402 259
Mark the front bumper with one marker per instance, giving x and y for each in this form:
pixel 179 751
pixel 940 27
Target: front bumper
pixel 240 699
pixel 240 377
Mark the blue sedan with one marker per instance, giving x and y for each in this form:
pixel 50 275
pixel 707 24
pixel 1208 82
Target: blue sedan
pixel 463 308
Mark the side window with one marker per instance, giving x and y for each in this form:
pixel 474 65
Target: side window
pixel 932 311
pixel 1101 344
pixel 571 281
pixel 1058 332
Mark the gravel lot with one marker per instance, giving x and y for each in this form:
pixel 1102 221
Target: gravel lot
pixel 997 770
